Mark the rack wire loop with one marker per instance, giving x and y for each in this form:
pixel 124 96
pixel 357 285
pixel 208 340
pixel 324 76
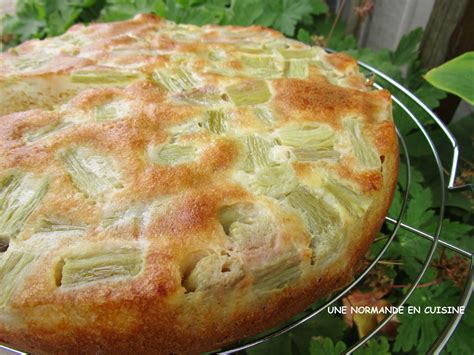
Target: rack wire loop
pixel 439 223
pixel 343 292
pixel 448 330
pixel 435 238
pixel 437 120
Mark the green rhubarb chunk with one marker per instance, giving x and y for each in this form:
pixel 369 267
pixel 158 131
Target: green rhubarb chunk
pixel 102 77
pixel 103 265
pixel 20 194
pixel 321 219
pixel 311 137
pixel 14 267
pixel 264 115
pixel 175 80
pixel 353 202
pixel 131 216
pixel 215 121
pixel 205 96
pixel 252 92
pixel 112 110
pixel 58 228
pixel 308 155
pixel 297 53
pixel 171 154
pixel 296 68
pixel 363 150
pixel 318 214
pixel 91 172
pixel 275 181
pixel 30 63
pixel 45 132
pixel 264 66
pixel 277 273
pixel 258 151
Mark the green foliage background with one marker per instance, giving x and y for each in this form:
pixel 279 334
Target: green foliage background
pixel 302 19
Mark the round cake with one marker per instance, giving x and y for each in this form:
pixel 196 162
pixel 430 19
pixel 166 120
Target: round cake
pixel 171 188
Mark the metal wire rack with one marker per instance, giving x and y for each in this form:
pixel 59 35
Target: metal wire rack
pixel 446 333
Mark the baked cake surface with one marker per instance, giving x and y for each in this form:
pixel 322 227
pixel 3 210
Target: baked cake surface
pixel 174 188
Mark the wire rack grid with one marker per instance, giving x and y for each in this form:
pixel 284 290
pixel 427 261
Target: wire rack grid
pixel 449 329
pixel 446 333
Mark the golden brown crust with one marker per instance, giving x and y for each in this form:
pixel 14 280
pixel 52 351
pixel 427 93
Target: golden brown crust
pixel 194 278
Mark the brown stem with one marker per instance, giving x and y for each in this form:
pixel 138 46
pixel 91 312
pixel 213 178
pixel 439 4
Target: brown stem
pixel 336 20
pixel 380 238
pixel 390 262
pixel 426 284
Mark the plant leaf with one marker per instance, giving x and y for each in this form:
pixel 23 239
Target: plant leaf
pixel 116 10
pixel 406 51
pixel 245 12
pixel 455 76
pixel 326 346
pixel 418 331
pixel 291 13
pixel 379 346
pixel 304 36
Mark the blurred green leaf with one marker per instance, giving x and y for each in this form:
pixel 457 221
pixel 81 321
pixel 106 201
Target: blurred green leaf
pixel 289 13
pixel 245 12
pixel 455 76
pixel 41 18
pixel 196 15
pixel 304 36
pixel 116 10
pixel 325 346
pixel 406 51
pixel 379 346
pixel 462 341
pixel 319 7
pixel 419 331
pixel 339 41
pixel 298 339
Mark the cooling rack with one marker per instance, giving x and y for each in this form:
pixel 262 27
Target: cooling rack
pixel 397 222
